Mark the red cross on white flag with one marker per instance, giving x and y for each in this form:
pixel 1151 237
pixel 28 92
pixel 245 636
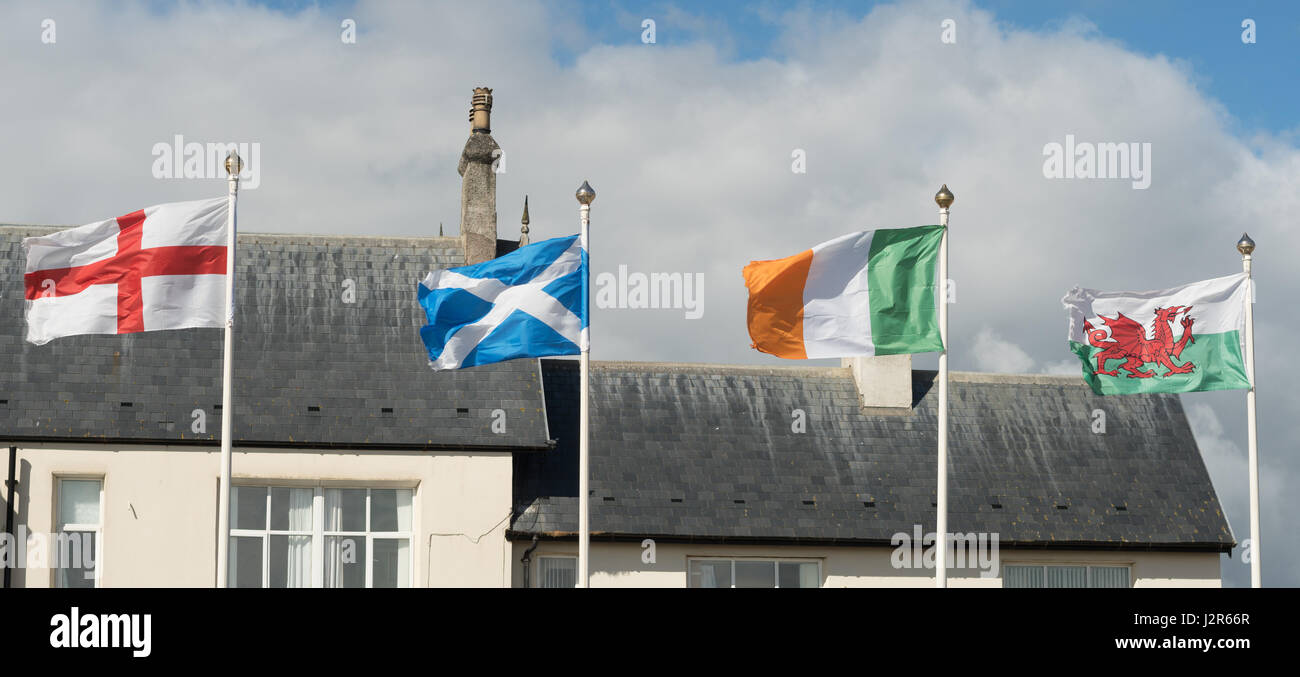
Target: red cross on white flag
pixel 163 267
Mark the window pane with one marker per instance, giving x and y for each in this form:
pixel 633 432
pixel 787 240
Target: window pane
pixel 391 563
pixel 710 574
pixel 1022 576
pixel 290 561
pixel 78 502
pixel 1067 577
pixel 76 559
pixel 390 509
pixel 755 574
pixel 291 509
pixel 345 510
pixel 246 561
pixel 557 572
pixel 798 574
pixel 248 508
pixel 345 561
pixel 1109 577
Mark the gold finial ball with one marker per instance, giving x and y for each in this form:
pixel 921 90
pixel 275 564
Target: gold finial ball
pixel 233 164
pixel 1245 245
pixel 944 198
pixel 585 194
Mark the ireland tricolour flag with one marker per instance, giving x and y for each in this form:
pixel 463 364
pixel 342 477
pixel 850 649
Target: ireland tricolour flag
pixel 867 293
pixel 1170 341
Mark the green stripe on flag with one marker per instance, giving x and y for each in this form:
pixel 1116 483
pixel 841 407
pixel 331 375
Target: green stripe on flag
pixel 900 279
pixel 1217 357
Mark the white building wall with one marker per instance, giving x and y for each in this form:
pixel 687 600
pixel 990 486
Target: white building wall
pixel 621 565
pixel 160 506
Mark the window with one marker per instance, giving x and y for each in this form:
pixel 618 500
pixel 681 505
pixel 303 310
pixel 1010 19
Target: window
pixel 754 573
pixel 557 572
pixel 293 537
pixel 1064 576
pixel 79 533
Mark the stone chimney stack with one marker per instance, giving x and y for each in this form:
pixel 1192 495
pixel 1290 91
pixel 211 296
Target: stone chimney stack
pixel 478 186
pixel 884 381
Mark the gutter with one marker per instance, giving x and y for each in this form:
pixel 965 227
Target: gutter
pixel 879 542
pixel 273 444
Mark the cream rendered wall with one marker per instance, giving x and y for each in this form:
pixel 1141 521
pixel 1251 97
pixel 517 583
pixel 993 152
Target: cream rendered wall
pixel 620 565
pixel 160 506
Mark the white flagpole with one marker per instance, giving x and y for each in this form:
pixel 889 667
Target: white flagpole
pixel 1247 246
pixel 944 198
pixel 233 167
pixel 585 197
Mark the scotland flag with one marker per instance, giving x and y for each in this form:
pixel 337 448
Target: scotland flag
pixel 531 302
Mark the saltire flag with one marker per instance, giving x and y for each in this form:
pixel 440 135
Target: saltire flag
pixel 1177 340
pixel 867 293
pixel 531 302
pixel 163 267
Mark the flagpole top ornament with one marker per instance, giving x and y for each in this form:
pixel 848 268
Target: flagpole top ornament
pixel 233 164
pixel 585 194
pixel 944 198
pixel 1245 245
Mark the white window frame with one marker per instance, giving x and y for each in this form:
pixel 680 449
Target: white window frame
pixel 1088 566
pixel 776 568
pixel 97 529
pixel 318 532
pixel 537 567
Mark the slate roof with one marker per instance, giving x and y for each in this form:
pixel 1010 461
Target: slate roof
pixel 298 346
pixel 707 453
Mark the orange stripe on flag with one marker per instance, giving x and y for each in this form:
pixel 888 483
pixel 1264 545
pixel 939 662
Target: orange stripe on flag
pixel 776 304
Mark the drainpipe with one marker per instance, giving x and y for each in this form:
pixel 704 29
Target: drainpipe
pixel 9 505
pixel 526 560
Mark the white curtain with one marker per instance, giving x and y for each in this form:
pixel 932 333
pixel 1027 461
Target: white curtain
pixel 809 575
pixel 1067 577
pixel 558 572
pixel 1109 577
pixel 707 579
pixel 404 564
pixel 1020 576
pixel 333 545
pixel 300 546
pixel 404 509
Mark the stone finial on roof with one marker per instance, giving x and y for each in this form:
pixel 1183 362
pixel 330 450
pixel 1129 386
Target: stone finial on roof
pixel 523 230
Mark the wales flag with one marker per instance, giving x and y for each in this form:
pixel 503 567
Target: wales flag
pixel 1176 340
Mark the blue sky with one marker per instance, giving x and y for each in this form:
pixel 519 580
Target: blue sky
pixel 1257 83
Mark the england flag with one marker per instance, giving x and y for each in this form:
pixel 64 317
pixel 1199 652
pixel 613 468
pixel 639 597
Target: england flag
pixel 531 302
pixel 162 267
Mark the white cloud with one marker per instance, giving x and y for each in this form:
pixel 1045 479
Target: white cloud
pixel 998 355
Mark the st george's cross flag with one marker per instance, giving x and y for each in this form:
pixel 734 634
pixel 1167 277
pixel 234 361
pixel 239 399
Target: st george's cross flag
pixel 1177 340
pixel 861 294
pixel 531 302
pixel 163 267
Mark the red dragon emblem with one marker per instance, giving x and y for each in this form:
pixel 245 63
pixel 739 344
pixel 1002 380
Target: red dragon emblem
pixel 1128 341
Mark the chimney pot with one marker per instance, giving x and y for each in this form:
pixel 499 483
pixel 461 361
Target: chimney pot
pixel 480 111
